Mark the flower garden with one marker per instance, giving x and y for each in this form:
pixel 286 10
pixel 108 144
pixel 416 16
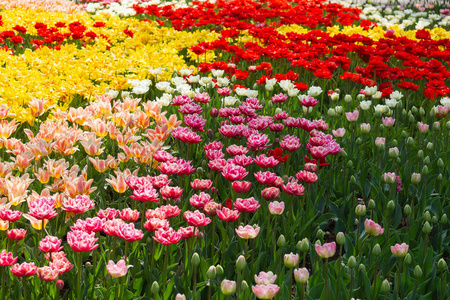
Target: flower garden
pixel 235 149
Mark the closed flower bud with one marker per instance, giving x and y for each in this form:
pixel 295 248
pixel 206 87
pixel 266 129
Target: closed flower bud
pixel 358 141
pixel 211 273
pixel 360 210
pixel 426 228
pixel 343 153
pixel 350 164
pixel 393 152
pixel 219 270
pixel 420 154
pixel 447 125
pixel 418 272
pixel 299 246
pixel 394 143
pixel 410 141
pixel 385 286
pixel 356 222
pixel 155 288
pixel 425 170
pixel 391 205
pixel 408 259
pixel 318 242
pixel 415 178
pixel 412 119
pixel 241 263
pixel 351 262
pixel 331 112
pixel 434 220
pixel 376 250
pixel 399 160
pixel 414 110
pixel 404 134
pixel 439 178
pixel 59 284
pixel 442 264
pixel 407 210
pixel 228 287
pixel 340 238
pixel 382 147
pixel 281 241
pixel 339 109
pixel 320 234
pixel 422 111
pixel 444 219
pixel 305 245
pixel 360 97
pixel 426 160
pixel 195 259
pixel 372 204
pixel 436 126
pixel 427 216
pixel 440 163
pixel 348 98
pixel 404 113
pixel 214 112
pixel 362 268
pixel 352 179
pixel 244 286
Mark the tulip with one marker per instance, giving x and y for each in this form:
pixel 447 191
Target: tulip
pixel 47 274
pixel 228 287
pixel 81 241
pixel 327 250
pixel 50 244
pixel 301 275
pixel 265 278
pixel 118 270
pixel 247 232
pixel 276 208
pixel 373 228
pixel 268 291
pixel 16 234
pixel 399 250
pixel 24 269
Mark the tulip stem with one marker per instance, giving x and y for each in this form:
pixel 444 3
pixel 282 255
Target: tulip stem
pixel 213 231
pixel 126 248
pixel 44 297
pixel 116 296
pixel 3 282
pixel 166 257
pixel 398 278
pixel 326 279
pixel 195 283
pixel 25 289
pixel 80 293
pixel 274 242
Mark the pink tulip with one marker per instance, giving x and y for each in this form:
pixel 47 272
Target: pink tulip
pixel 265 278
pixel 47 274
pixel 423 128
pixel 290 143
pixel 78 205
pixel 188 232
pixel 226 214
pixel 234 150
pixel 327 250
pixel 167 237
pixel 128 232
pixel 171 192
pixel 42 208
pixel 199 201
pixel 50 244
pixel 264 161
pixel 247 232
pixel 234 172
pixel 268 291
pixel 109 213
pixel 16 234
pixel 291 260
pixel 293 187
pixel 118 270
pixel 248 205
pixel 301 275
pixel 400 250
pixel 129 215
pixel 276 208
pixel 388 122
pixel 196 218
pixel 307 177
pixel 241 187
pixel 154 224
pixel 270 193
pixel 201 184
pixel 10 215
pixel 24 269
pixel 81 241
pixel 352 116
pixel 373 228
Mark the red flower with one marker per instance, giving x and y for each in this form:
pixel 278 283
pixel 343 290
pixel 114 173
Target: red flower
pixel 128 32
pixel 277 153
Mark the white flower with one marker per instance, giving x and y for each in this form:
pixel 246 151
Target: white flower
pixel 112 93
pixel 252 93
pixel 140 89
pixel 381 108
pixel 229 101
pixel 370 90
pixel 178 80
pixel 156 71
pixel 241 91
pixel 293 92
pixel 205 80
pixel 365 105
pixel 269 87
pixel 315 91
pixel 339 109
pixel 334 96
pixel 445 101
pixel 185 72
pixel 286 85
pixel 272 81
pixel 391 103
pixel 223 81
pixel 396 95
pixel 377 95
pixel 162 85
pixel 217 73
pixel 194 79
pixel 164 100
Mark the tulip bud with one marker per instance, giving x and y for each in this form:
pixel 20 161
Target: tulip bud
pixel 59 284
pixel 426 160
pixel 360 97
pixel 442 264
pixel 155 288
pixel 88 264
pixel 391 205
pixel 447 125
pixel 281 241
pixel 350 164
pixel 385 286
pixel 356 222
pixel 360 210
pixel 417 272
pixel 421 111
pixel 440 163
pixel 436 126
pixel 410 141
pixel 434 220
pixel 362 268
pixel 241 263
pixel 382 147
pixel 399 160
pixel 228 287
pixel 358 141
pixel 318 242
pixel 408 259
pixel 376 250
pixel 427 216
pixel 393 152
pixel 407 210
pixel 394 143
pixel 214 112
pixel 412 119
pixel 425 170
pixel 209 133
pixel 348 98
pixel 415 178
pixel 426 228
pixel 351 263
pixel 219 270
pixel 305 245
pixel 343 153
pixel 420 154
pixel 211 273
pixel 439 178
pixel 404 113
pixel 331 112
pixel 180 297
pixel 404 134
pixel 372 204
pixel 414 110
pixel 244 286
pixel 340 239
pixel 299 245
pixel 339 110
pixel 195 260
pixel 352 179
pixel 320 234
pixel 444 219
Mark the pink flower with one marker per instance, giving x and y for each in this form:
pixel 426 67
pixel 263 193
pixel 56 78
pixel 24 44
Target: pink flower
pixel 170 211
pixel 180 100
pixel 24 269
pixel 226 214
pixel 190 108
pixel 224 91
pixel 423 128
pixel 234 150
pixel 16 234
pixel 128 232
pixel 291 260
pixel 301 275
pixel 81 241
pixel 241 187
pixel 154 224
pixel 373 228
pixel 234 172
pixel 50 244
pixel 276 208
pixel 118 270
pixel 279 98
pixel 7 259
pixel 109 213
pixel 389 177
pixel 327 250
pixel 247 232
pixel 293 188
pixel 265 278
pixel 338 132
pixel 211 208
pixel 266 178
pixel 307 177
pixel 264 161
pixel 380 141
pixel 78 205
pixel 161 156
pixel 10 215
pixel 47 274
pixel 242 160
pixel 258 141
pixel 146 194
pixel 167 237
pixel 319 152
pixel 196 218
pixel 110 226
pixel 185 135
pixel 248 205
pixel 199 201
pixel 171 192
pixel 400 250
pixel 270 193
pixel 217 165
pixel 42 208
pixel 290 143
pixel 309 101
pixel 201 184
pixel 268 291
pixel 202 98
pixel 187 232
pixel 352 116
pixel 129 215
pixel 388 122
pixel 195 122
